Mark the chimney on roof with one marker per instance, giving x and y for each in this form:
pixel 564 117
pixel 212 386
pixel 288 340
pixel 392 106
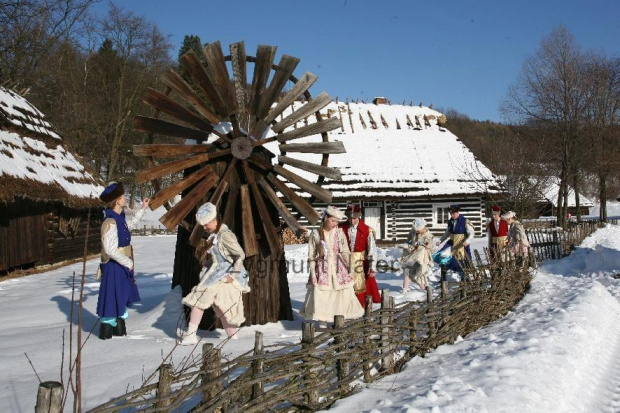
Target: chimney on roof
pixel 379 101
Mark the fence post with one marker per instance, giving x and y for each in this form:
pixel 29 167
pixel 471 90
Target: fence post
pixel 307 339
pixel 413 333
pixel 164 386
pixel 429 303
pixel 387 361
pixel 366 339
pixel 257 365
pixel 49 397
pixel 211 360
pixel 342 363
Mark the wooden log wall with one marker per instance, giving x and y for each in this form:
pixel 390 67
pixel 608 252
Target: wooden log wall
pixel 68 243
pixel 333 362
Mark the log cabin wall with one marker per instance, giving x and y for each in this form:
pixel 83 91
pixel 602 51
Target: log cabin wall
pixel 36 233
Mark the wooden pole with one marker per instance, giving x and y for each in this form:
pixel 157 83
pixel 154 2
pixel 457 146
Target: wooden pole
pixel 49 397
pixel 307 338
pixel 165 385
pixel 211 360
pixel 342 364
pixel 366 339
pixel 257 365
pixel 387 362
pixel 429 300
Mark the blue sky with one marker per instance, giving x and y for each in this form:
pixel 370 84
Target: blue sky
pixel 459 54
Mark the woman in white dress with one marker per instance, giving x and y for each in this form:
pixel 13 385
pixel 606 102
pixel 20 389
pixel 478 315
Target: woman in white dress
pixel 518 245
pixel 418 259
pixel 330 285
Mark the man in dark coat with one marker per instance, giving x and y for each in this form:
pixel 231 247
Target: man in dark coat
pixel 460 234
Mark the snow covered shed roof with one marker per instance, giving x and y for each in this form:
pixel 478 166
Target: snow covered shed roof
pixel 552 189
pixel 34 161
pixel 395 151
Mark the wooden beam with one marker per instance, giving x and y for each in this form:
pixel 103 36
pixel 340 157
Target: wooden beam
pixel 196 70
pixel 319 147
pixel 262 69
pixel 326 171
pixel 168 150
pixel 219 191
pixel 308 109
pixel 175 82
pixel 298 202
pixel 249 235
pixel 239 68
pixel 171 191
pixel 312 188
pixel 161 127
pixel 279 206
pixel 303 84
pixel 285 69
pixel 309 130
pixel 167 105
pixel 170 167
pixel 172 218
pixel 217 65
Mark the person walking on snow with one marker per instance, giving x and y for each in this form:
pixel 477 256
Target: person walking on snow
pixel 416 263
pixel 330 284
pixel 497 233
pixel 361 241
pixel 460 234
pixel 223 278
pixel 118 289
pixel 518 244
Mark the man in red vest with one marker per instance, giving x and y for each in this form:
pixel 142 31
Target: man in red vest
pixel 498 232
pixel 361 240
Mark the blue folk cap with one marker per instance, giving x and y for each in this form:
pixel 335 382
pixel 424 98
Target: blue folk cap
pixel 455 207
pixel 112 191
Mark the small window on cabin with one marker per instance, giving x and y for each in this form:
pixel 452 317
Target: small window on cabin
pixel 441 215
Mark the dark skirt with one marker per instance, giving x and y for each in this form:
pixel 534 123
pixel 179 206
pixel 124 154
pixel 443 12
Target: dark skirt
pixel 118 290
pixel 455 265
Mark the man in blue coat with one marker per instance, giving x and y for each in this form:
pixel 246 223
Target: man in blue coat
pixel 460 234
pixel 118 288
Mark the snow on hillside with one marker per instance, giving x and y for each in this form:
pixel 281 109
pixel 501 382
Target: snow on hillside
pixel 558 351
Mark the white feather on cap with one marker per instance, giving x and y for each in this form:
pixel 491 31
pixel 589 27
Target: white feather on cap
pixel 418 223
pixel 206 213
pixel 332 211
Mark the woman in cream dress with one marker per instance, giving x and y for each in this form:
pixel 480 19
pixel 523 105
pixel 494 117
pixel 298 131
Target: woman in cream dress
pixel 330 285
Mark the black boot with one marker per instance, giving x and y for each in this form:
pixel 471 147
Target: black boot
pixel 444 272
pixel 120 329
pixel 105 331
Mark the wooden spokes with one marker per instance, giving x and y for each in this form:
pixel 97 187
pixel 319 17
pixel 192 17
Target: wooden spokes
pixel 225 124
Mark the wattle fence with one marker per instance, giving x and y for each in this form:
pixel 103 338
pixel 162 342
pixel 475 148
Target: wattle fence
pixel 332 363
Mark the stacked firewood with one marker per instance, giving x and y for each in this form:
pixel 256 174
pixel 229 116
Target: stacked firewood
pixel 289 237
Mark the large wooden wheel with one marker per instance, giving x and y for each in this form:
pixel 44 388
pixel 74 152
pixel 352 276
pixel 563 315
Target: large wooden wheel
pixel 227 121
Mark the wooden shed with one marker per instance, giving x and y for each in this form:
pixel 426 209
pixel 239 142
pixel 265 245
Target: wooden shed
pixel 401 164
pixel 46 192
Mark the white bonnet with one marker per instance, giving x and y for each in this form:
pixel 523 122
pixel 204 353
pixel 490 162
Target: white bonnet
pixel 508 215
pixel 332 211
pixel 418 223
pixel 206 213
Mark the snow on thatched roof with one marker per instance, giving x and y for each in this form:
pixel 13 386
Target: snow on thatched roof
pixel 396 151
pixel 551 190
pixel 34 162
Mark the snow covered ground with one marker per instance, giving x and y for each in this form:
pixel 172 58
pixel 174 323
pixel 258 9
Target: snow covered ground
pixel 558 351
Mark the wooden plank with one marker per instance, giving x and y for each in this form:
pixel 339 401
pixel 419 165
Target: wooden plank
pixel 285 69
pixel 162 127
pixel 312 188
pixel 167 105
pixel 279 206
pixel 239 67
pixel 309 130
pixel 167 150
pixel 249 236
pixel 303 84
pixel 194 67
pixel 262 69
pixel 172 218
pixel 170 167
pixel 217 65
pixel 219 191
pixel 228 216
pixel 320 147
pixel 169 192
pixel 175 82
pixel 326 171
pixel 308 109
pixel 298 202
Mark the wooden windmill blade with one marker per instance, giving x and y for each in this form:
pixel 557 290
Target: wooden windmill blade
pixel 243 179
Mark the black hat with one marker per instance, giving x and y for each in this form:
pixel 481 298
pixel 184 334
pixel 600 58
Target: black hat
pixel 112 191
pixel 455 208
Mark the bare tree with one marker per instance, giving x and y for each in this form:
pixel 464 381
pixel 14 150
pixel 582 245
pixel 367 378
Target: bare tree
pixel 550 94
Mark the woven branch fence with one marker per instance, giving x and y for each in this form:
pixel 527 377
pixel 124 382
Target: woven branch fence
pixel 332 363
